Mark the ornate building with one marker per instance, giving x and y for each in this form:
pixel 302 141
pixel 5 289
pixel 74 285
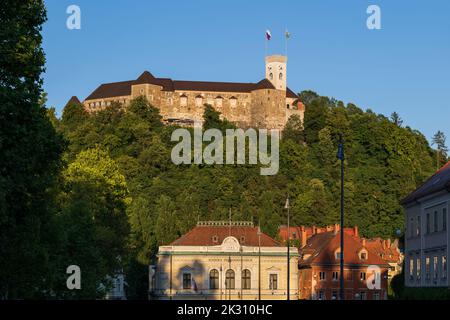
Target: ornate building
pixel 221 261
pixel 266 104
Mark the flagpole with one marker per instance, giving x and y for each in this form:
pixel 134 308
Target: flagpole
pixel 286 42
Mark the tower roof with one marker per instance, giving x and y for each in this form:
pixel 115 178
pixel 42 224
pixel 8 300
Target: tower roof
pixel 145 77
pixel 73 100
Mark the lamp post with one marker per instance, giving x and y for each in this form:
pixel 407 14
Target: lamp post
pixel 259 263
pixel 340 156
pixel 287 206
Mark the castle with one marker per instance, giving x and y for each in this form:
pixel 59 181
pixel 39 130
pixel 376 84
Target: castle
pixel 266 104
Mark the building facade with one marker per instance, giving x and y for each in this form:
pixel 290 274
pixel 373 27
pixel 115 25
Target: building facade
pixel 427 234
pixel 268 103
pixel 224 261
pixel 366 273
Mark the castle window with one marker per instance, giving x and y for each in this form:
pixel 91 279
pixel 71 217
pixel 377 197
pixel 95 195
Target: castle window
pixel 271 76
pixel 141 91
pixel 198 101
pixel 219 102
pixel 233 102
pixel 183 101
pixel 108 103
pixel 280 76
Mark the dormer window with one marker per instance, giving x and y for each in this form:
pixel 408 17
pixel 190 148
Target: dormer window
pixel 215 239
pixel 242 239
pixel 337 254
pixel 363 254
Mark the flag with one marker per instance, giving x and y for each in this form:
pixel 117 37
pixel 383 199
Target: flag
pixel 287 34
pixel 268 34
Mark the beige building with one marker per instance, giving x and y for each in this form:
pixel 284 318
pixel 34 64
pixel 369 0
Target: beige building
pixel 266 104
pixel 224 261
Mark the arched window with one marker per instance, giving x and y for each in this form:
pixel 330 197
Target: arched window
pixel 246 279
pixel 280 76
pixel 198 101
pixel 214 279
pixel 219 101
pixel 271 76
pixel 183 100
pixel 233 101
pixel 229 279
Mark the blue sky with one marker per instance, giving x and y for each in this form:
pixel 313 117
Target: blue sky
pixel 403 67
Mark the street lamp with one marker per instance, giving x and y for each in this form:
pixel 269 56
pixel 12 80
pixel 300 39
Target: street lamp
pixel 340 156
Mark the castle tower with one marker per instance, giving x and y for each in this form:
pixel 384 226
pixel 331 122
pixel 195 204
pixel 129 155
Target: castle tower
pixel 276 71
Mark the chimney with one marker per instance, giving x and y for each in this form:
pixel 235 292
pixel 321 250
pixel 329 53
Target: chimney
pixel 383 244
pixel 314 229
pixel 355 231
pixel 388 243
pixel 363 242
pixel 304 237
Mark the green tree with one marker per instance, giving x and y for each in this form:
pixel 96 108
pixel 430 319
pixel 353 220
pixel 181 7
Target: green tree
pixel 93 212
pixel 294 129
pixel 441 154
pixel 30 153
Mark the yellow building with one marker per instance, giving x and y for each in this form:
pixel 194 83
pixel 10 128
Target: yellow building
pixel 224 261
pixel 266 104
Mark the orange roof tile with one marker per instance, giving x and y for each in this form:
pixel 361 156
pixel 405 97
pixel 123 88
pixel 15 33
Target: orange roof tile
pixel 214 235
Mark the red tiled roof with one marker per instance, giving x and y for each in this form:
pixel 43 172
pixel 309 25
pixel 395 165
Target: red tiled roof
pixel 386 250
pixel 322 248
pixel 214 235
pixel 123 88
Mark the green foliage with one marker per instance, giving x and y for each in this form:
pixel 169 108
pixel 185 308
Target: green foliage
pixel 30 152
pixel 384 162
pixel 93 213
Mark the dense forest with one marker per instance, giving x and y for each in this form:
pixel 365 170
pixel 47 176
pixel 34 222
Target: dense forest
pixel 100 191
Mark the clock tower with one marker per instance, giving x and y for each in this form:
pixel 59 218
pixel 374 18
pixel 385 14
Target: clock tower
pixel 276 71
